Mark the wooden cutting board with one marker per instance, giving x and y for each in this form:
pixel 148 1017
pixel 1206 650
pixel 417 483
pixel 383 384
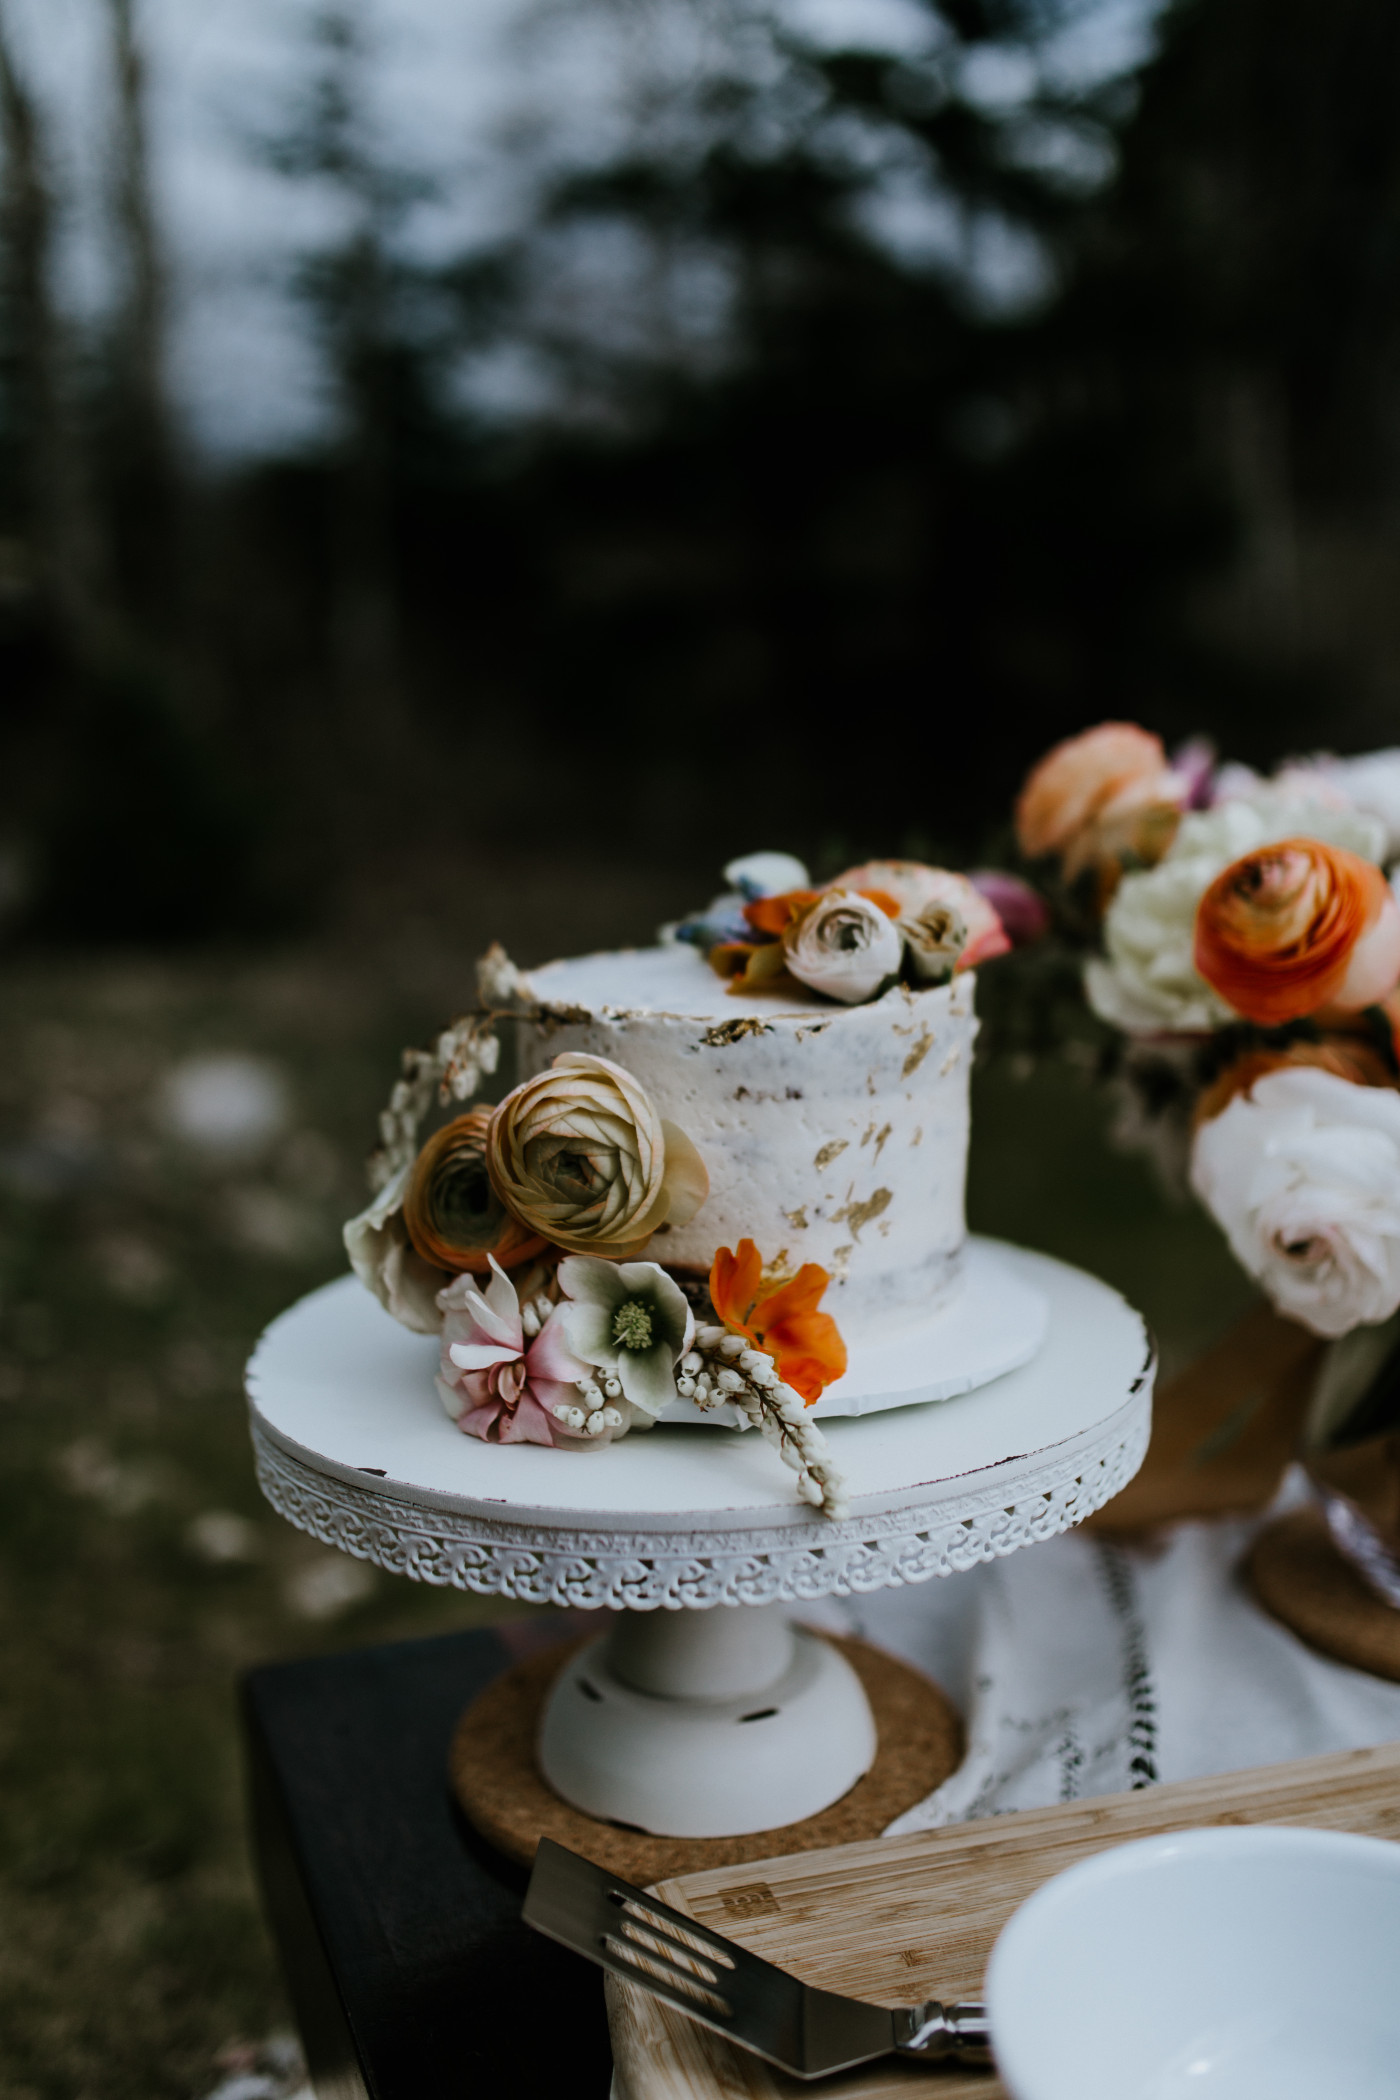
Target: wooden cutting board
pixel 897 1920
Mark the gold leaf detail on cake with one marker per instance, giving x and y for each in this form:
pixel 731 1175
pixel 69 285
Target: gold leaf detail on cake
pixel 917 1055
pixel 859 1215
pixel 734 1031
pixel 779 1270
pixel 879 1137
pixel 840 1262
pixel 950 1061
pixel 797 1218
pixel 830 1152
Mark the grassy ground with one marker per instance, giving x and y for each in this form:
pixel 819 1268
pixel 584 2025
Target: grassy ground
pixel 140 1572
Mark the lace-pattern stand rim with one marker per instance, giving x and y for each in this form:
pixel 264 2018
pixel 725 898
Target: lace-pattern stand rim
pixel 352 1447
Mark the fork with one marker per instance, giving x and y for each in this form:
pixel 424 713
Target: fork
pixel 803 2030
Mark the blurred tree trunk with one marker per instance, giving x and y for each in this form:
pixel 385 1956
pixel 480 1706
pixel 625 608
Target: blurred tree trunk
pixel 364 612
pixel 141 439
pixel 60 520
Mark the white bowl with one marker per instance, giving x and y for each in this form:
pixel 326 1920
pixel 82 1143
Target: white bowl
pixel 1241 1964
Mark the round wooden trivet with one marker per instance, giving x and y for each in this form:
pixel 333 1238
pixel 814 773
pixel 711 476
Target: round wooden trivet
pixel 496 1780
pixel 1302 1580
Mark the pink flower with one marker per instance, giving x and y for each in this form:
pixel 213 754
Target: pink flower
pixel 1022 911
pixel 490 1382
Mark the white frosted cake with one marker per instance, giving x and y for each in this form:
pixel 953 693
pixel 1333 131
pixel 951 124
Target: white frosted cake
pixel 831 1134
pixel 726 1186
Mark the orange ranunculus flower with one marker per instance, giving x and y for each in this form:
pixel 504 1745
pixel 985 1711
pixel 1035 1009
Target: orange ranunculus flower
pixel 452 1214
pixel 1296 927
pixel 781 1319
pixel 1098 797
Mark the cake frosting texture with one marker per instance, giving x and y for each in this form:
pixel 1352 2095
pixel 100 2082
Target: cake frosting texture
pixel 835 1135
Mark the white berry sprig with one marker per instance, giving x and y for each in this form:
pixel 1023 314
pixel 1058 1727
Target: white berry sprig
pixel 721 1368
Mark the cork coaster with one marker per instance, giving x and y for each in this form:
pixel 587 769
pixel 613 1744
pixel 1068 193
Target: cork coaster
pixel 496 1780
pixel 1302 1580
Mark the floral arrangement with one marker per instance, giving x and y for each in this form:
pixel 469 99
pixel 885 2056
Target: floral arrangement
pixel 1244 949
pixel 513 1233
pixel 884 923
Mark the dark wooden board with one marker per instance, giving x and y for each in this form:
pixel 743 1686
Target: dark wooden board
pixel 411 1973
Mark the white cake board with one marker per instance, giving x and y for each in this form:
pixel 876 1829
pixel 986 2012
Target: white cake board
pixel 994 1323
pixel 353 1446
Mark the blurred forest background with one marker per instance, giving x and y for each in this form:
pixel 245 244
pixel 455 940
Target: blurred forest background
pixel 473 508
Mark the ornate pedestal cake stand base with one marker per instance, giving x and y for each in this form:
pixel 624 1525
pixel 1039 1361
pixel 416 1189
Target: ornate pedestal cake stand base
pixel 1302 1581
pixel 705 1715
pixel 507 1800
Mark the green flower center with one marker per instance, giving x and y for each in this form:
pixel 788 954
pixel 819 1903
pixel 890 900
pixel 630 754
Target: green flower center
pixel 632 1328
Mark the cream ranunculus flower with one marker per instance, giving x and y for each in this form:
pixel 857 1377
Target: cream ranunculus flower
pixel 843 945
pixel 1147 983
pixel 934 944
pixel 1302 1173
pixel 579 1155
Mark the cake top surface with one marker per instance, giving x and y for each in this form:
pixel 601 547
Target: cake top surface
pixel 673 979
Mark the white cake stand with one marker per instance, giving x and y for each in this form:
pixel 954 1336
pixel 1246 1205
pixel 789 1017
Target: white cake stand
pixel 685 1721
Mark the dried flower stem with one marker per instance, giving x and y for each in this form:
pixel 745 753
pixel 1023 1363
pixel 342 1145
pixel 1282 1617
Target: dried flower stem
pixel 452 1070
pixel 463 1055
pixel 721 1367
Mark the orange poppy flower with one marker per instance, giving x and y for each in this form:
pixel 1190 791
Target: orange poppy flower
pixel 781 1319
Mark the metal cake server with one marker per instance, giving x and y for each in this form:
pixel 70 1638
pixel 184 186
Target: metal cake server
pixel 808 2032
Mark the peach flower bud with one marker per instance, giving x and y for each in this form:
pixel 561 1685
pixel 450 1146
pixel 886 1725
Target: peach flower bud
pixel 579 1155
pixel 1100 797
pixel 917 889
pixel 1297 927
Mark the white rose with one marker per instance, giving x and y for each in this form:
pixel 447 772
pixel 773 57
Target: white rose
pixel 1147 982
pixel 843 945
pixel 1303 1176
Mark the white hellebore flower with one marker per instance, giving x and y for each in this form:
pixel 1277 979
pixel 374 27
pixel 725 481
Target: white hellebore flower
pixel 1303 1175
pixel 383 1257
pixel 843 945
pixel 629 1320
pixel 1147 982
